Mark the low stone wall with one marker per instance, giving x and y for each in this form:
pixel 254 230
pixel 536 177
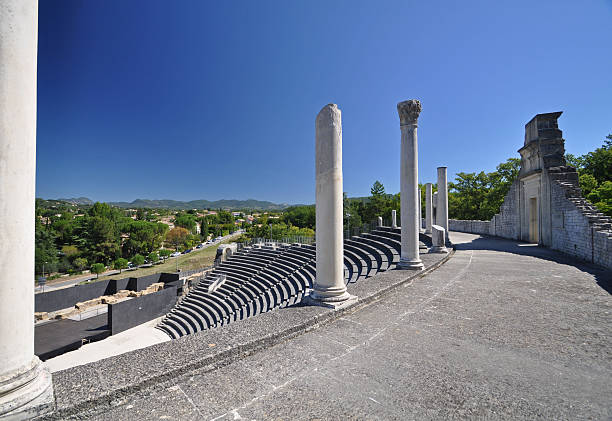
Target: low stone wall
pixel 577 230
pixel 474 227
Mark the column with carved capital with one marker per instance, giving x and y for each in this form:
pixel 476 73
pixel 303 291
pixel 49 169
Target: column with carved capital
pixel 25 383
pixel 409 113
pixel 329 289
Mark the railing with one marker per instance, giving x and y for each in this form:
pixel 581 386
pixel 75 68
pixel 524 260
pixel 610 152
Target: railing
pixel 362 229
pixel 191 272
pixel 295 239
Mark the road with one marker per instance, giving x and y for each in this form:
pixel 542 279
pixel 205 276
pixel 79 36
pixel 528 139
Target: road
pixel 73 281
pixel 503 330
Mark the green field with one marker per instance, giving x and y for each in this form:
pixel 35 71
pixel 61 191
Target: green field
pixel 194 260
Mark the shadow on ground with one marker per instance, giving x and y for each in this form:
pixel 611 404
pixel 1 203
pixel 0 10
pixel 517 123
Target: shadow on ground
pixel 602 276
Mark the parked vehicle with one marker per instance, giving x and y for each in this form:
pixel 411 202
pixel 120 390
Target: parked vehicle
pixel 175 254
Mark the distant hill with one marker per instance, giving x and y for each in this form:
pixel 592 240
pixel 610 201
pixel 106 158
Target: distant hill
pixel 201 204
pixel 181 205
pixel 78 201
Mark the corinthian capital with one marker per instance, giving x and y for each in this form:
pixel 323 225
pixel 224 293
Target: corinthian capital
pixel 409 111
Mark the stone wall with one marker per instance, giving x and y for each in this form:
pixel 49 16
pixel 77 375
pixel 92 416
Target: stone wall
pixel 578 228
pixel 474 227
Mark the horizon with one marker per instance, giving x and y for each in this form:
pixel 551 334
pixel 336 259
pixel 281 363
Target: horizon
pixel 141 99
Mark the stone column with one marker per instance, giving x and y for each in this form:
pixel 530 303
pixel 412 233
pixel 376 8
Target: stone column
pixel 329 288
pixel 393 218
pixel 379 221
pixel 442 205
pixel 409 113
pixel 420 208
pixel 428 208
pixel 25 384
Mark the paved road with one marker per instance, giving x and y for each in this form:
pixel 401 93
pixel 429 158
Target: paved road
pixel 64 284
pixel 501 331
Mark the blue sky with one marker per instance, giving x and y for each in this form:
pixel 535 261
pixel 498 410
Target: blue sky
pixel 217 100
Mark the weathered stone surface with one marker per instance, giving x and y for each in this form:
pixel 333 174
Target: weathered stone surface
pixel 88 303
pixel 428 208
pixel 25 384
pixel 438 238
pixel 329 281
pixel 409 175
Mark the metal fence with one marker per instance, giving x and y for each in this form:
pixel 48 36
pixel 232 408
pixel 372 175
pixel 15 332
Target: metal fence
pixel 296 239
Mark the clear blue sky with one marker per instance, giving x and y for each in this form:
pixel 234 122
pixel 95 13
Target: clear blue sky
pixel 217 100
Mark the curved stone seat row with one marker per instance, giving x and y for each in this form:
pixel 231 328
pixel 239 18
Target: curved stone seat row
pixel 260 279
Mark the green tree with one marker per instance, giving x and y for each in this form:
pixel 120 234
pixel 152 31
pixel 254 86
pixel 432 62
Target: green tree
pixel 45 252
pixel 588 183
pixel 300 216
pixel 186 221
pixel 153 257
pixel 97 268
pixel 204 229
pixel 80 263
pixel 599 162
pixel 164 253
pixel 138 260
pixel 120 264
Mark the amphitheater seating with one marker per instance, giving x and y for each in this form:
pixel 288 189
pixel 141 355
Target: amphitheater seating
pixel 263 278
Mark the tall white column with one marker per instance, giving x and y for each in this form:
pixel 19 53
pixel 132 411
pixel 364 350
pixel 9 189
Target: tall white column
pixel 329 288
pixel 25 385
pixel 409 113
pixel 420 208
pixel 442 205
pixel 428 208
pixel 393 218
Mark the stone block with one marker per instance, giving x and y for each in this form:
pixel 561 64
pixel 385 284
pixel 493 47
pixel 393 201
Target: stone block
pixel 438 237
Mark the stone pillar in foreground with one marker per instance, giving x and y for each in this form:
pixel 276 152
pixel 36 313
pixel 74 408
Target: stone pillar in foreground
pixel 409 113
pixel 442 205
pixel 329 288
pixel 428 208
pixel 393 218
pixel 25 384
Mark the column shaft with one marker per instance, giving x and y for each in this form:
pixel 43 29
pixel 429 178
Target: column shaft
pixel 409 112
pixel 428 208
pixel 420 207
pixel 25 386
pixel 329 283
pixel 393 218
pixel 442 205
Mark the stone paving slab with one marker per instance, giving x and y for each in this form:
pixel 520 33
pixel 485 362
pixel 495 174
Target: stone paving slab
pixel 94 388
pixel 500 331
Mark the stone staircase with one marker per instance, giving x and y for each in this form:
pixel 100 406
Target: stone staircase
pixel 567 178
pixel 259 279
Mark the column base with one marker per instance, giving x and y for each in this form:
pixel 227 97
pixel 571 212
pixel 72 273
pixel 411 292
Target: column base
pixel 428 232
pixel 410 265
pixel 438 249
pixel 26 392
pixel 335 301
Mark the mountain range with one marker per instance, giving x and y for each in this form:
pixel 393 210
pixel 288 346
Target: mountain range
pixel 193 204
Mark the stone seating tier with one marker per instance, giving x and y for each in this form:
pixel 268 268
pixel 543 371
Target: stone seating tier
pixel 259 280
